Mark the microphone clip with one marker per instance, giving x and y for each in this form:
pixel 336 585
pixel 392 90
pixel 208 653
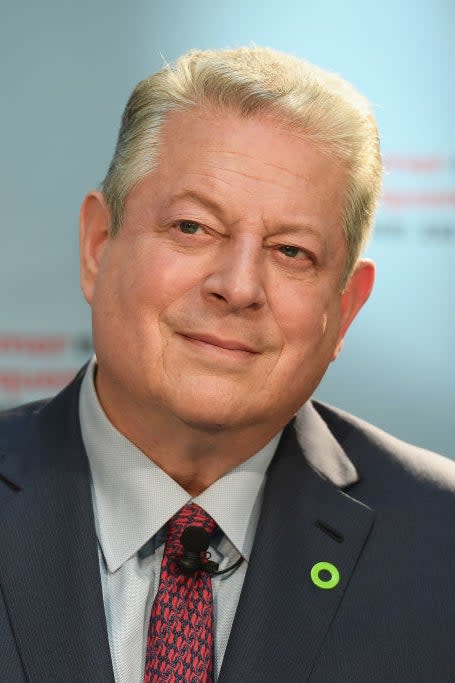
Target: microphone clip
pixel 195 541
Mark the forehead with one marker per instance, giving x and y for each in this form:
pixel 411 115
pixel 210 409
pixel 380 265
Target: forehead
pixel 197 136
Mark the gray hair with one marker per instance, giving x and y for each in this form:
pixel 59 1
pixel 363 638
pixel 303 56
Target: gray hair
pixel 255 81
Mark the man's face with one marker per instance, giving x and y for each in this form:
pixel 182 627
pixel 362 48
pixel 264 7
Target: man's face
pixel 219 301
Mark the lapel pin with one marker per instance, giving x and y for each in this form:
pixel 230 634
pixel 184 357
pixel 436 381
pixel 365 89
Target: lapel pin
pixel 325 568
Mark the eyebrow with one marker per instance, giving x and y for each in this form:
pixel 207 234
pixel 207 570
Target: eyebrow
pixel 211 203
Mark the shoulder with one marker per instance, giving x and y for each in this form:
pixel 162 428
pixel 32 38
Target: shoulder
pixel 16 423
pixel 33 435
pixel 18 435
pixel 388 461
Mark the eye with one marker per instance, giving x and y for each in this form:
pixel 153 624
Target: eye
pixel 188 227
pixel 289 250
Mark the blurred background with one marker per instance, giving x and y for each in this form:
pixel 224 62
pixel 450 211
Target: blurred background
pixel 67 70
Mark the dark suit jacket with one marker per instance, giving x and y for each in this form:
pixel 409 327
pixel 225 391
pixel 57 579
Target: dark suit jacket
pixel 338 490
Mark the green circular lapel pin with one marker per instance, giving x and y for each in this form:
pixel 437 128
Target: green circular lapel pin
pixel 328 568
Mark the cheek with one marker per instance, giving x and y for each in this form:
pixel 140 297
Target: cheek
pixel 309 321
pixel 306 315
pixel 146 279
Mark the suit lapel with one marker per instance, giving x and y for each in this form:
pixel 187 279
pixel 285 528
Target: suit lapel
pixel 48 566
pixel 283 617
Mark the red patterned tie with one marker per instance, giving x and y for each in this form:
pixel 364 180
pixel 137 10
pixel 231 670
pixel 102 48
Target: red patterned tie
pixel 180 636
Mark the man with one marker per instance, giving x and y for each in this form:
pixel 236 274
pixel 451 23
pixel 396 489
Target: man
pixel 222 264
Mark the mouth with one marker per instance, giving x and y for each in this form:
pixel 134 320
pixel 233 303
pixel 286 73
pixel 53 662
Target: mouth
pixel 231 345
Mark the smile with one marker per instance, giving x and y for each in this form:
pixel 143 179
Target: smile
pixel 227 348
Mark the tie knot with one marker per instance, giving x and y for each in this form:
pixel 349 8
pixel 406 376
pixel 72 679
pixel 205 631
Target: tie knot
pixel 189 515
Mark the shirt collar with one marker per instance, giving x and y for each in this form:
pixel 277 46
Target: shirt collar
pixel 133 497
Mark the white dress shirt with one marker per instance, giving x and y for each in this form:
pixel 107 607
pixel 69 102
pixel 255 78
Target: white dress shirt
pixel 133 499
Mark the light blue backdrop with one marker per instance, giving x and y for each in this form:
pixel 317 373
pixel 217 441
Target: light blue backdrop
pixel 67 69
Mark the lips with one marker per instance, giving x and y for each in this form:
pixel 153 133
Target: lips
pixel 229 344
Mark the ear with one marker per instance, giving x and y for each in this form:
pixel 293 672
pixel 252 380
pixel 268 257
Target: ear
pixel 94 235
pixel 355 294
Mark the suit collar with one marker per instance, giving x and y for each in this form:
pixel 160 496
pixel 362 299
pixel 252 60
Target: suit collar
pixel 322 451
pixel 49 573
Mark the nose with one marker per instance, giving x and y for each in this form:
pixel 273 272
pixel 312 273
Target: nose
pixel 236 278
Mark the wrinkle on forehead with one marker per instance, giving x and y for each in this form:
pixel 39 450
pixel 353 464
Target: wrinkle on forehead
pixel 255 159
pixel 252 175
pixel 229 177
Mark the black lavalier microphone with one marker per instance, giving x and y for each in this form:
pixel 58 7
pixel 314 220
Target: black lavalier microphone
pixel 195 541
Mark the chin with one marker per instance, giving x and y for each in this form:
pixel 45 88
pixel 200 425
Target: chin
pixel 210 420
pixel 210 416
pixel 201 425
